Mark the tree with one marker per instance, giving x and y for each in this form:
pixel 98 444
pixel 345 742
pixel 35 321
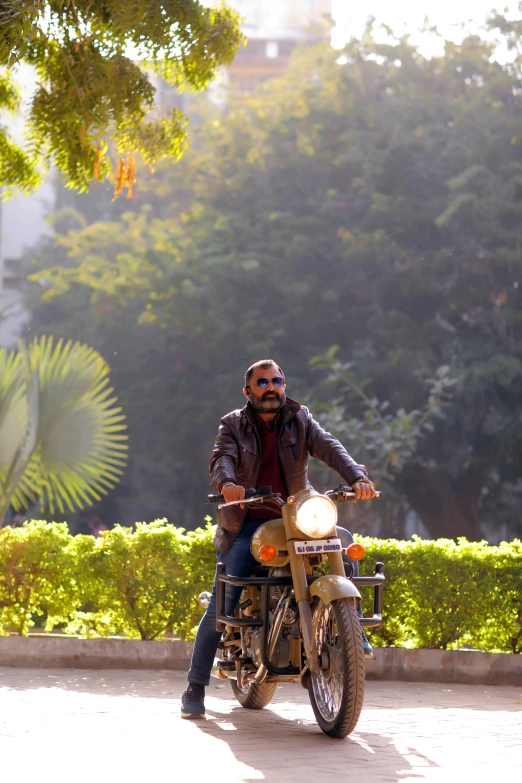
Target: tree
pixel 93 95
pixel 384 439
pixel 375 205
pixel 62 440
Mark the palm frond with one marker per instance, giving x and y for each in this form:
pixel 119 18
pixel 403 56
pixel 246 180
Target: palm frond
pixel 69 446
pixel 18 417
pixel 13 407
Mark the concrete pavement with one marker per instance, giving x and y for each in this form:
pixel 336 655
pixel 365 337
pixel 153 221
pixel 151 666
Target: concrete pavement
pixel 82 725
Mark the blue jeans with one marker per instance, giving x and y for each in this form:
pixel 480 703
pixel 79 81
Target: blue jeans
pixel 238 561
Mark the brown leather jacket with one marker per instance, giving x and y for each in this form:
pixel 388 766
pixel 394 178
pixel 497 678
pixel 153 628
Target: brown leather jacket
pixel 236 457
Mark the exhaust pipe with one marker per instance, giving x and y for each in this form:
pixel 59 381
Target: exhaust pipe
pixel 217 671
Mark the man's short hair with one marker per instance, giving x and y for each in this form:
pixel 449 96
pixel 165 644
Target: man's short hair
pixel 264 364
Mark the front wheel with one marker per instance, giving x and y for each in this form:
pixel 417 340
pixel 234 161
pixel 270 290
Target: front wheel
pixel 254 696
pixel 337 689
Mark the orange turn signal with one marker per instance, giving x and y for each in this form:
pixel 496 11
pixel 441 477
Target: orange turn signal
pixel 268 553
pixel 356 551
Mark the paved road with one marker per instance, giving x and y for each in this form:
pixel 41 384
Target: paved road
pixel 76 726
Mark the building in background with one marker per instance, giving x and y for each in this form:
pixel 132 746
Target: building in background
pixel 22 224
pixel 274 29
pixel 12 313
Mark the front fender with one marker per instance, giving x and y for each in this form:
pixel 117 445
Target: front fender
pixel 330 588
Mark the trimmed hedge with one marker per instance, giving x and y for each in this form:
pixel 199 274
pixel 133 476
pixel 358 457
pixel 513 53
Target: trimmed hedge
pixel 139 582
pixel 143 582
pixel 445 594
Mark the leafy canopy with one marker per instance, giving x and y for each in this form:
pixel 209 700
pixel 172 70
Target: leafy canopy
pixel 94 93
pixel 372 202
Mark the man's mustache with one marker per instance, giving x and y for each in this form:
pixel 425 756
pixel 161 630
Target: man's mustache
pixel 267 395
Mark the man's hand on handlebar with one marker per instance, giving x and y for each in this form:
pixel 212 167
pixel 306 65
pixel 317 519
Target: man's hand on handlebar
pixel 364 490
pixel 233 492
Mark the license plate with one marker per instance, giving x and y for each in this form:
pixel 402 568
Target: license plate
pixel 318 547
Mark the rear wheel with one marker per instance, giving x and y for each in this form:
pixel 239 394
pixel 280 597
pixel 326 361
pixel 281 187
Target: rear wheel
pixel 254 696
pixel 337 690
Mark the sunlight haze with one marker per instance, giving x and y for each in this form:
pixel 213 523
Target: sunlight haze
pixel 408 16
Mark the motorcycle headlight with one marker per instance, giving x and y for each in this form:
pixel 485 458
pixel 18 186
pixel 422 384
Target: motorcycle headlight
pixel 316 517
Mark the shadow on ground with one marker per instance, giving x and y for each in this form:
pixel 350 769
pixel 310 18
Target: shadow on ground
pixel 291 749
pixel 407 731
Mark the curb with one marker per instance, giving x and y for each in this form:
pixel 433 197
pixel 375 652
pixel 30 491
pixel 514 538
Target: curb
pixel 62 652
pixel 390 663
pixel 450 666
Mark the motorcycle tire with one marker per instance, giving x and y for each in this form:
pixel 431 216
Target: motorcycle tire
pixel 338 720
pixel 254 696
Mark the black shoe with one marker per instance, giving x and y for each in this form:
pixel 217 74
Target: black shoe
pixel 368 649
pixel 193 701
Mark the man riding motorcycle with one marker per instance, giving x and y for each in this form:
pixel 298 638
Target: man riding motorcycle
pixel 266 443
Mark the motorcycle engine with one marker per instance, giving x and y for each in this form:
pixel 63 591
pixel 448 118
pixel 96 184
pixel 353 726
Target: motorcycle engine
pixel 289 629
pixel 253 645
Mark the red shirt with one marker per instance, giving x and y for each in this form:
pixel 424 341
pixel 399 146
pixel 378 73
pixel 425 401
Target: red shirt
pixel 271 473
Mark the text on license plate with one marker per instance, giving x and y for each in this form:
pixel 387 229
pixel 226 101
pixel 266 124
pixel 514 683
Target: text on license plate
pixel 316 547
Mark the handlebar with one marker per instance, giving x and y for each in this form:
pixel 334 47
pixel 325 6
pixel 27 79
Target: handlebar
pixel 260 492
pixel 343 493
pixel 340 494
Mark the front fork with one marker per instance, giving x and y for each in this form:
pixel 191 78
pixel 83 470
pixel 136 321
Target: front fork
pixel 302 596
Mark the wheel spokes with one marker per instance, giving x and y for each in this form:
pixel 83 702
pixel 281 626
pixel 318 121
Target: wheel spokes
pixel 328 682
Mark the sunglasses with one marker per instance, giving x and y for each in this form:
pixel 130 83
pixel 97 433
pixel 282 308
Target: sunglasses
pixel 262 383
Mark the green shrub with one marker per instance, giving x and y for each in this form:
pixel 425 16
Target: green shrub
pixel 451 586
pixel 88 620
pixel 201 567
pixel 38 576
pixel 501 628
pixel 397 597
pixel 143 582
pixel 445 594
pixel 149 578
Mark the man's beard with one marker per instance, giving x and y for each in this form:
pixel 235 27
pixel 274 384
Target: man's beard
pixel 268 403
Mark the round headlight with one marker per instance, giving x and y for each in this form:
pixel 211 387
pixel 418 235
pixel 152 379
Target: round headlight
pixel 316 517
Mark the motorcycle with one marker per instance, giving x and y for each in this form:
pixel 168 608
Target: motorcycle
pixel 297 620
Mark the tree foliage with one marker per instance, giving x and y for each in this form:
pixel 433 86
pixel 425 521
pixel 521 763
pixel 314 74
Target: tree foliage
pixel 92 60
pixel 373 202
